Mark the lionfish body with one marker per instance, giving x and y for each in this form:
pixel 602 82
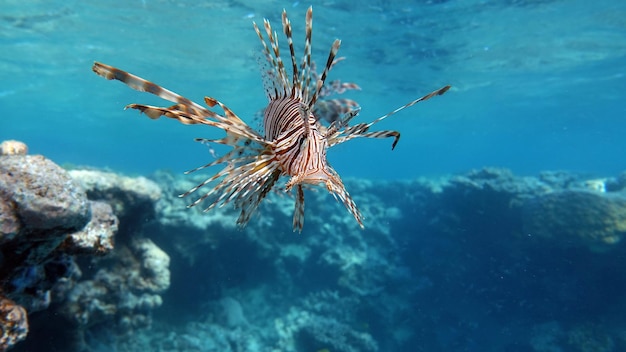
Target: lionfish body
pixel 294 142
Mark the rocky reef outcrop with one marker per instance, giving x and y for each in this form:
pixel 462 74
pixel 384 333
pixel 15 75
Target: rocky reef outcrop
pixel 56 227
pixel 41 207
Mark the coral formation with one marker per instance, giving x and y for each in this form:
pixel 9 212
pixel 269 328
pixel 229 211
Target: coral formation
pixel 14 323
pixel 97 236
pixel 40 207
pixel 590 338
pixel 49 220
pixel 126 195
pixel 316 324
pixel 232 312
pixel 581 217
pixel 124 292
pixel 12 147
pixel 42 195
pixel 377 263
pixel 301 330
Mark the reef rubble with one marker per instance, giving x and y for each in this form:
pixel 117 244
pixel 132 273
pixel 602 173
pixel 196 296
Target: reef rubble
pixel 112 262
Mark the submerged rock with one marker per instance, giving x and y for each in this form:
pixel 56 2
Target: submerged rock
pixel 154 274
pixel 45 198
pixel 41 206
pixel 14 323
pixel 123 292
pixel 10 224
pixel 12 147
pixel 47 220
pixel 126 195
pixel 97 237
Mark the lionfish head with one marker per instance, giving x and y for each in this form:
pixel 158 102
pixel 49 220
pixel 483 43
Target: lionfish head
pixel 310 161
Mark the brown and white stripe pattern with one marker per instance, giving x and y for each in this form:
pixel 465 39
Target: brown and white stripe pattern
pixel 294 141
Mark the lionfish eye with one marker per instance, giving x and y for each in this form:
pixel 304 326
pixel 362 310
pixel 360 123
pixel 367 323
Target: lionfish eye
pixel 301 141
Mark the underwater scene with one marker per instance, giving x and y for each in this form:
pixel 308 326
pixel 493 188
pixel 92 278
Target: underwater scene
pixel 449 176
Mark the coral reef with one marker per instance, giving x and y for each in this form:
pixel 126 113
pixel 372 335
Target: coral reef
pixel 96 238
pixel 40 207
pixel 47 202
pixel 486 260
pixel 583 217
pixel 316 325
pixel 301 330
pixel 14 323
pixel 51 221
pixel 127 196
pixel 412 228
pixel 590 338
pixel 124 292
pixel 13 147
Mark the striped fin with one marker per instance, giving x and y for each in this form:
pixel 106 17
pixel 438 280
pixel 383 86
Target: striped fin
pixel 246 179
pixel 287 29
pixel 336 86
pixel 439 91
pixel 267 66
pixel 239 154
pixel 245 184
pixel 298 212
pixel 334 109
pixel 185 111
pixel 142 85
pixel 268 76
pixel 305 83
pixel 250 203
pixel 320 82
pixel 250 170
pixel 338 136
pixel 274 77
pixel 339 192
pixel 280 67
pixel 306 65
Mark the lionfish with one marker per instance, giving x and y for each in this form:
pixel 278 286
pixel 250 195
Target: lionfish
pixel 293 143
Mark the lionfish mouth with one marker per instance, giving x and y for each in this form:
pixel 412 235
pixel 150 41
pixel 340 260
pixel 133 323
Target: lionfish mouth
pixel 314 177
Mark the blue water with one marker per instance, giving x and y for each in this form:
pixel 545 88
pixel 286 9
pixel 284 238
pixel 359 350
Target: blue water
pixel 536 84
